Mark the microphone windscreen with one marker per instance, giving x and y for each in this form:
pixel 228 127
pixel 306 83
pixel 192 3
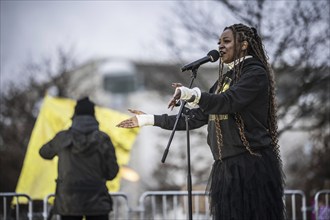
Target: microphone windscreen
pixel 214 55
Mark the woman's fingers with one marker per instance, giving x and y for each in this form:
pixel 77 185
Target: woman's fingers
pixel 128 123
pixel 171 104
pixel 176 96
pixel 137 112
pixel 175 85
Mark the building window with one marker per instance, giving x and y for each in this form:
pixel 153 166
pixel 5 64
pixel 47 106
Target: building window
pixel 120 83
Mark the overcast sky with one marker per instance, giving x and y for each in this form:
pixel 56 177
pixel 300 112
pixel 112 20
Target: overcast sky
pixel 128 29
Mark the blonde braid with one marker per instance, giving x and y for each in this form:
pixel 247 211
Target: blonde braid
pixel 240 125
pixel 219 135
pixel 217 117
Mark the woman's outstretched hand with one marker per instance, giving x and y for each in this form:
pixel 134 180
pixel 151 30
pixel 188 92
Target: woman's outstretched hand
pixel 176 96
pixel 131 122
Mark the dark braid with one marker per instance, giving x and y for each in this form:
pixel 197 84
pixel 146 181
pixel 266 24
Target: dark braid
pixel 256 49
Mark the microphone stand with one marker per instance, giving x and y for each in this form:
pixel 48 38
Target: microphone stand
pixel 178 116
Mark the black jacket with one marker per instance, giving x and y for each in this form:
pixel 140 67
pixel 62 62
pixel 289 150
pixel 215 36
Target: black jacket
pixel 86 159
pixel 248 97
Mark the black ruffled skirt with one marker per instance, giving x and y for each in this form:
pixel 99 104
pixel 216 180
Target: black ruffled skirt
pixel 247 187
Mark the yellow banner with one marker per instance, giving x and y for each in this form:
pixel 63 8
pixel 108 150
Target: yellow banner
pixel 38 176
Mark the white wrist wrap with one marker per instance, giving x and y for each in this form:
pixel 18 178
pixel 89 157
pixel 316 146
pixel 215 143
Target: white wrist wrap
pixel 145 120
pixel 190 95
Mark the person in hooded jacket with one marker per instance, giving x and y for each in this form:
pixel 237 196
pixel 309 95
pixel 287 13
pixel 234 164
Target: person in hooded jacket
pixel 86 160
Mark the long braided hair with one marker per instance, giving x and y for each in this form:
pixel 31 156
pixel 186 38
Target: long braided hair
pixel 256 49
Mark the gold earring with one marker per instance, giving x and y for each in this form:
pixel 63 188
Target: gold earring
pixel 244 46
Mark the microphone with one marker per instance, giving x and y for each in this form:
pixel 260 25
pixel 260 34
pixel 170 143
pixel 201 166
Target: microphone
pixel 212 56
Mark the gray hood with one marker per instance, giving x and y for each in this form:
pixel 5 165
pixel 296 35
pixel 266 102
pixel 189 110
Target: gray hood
pixel 83 134
pixel 84 124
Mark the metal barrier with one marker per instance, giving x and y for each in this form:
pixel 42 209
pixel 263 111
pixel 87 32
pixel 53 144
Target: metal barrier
pixel 169 208
pixel 173 205
pixel 294 197
pixel 17 207
pixel 121 209
pixel 322 198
